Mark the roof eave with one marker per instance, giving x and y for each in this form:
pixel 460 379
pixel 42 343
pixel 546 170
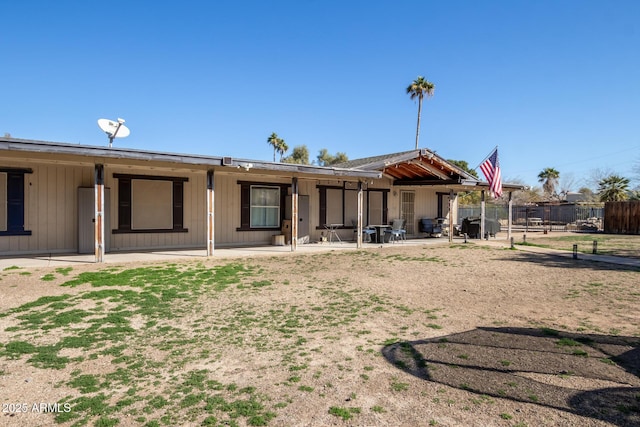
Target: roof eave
pixel 188 159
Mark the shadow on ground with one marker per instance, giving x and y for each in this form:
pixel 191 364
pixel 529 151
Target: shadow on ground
pixel 596 376
pixel 565 261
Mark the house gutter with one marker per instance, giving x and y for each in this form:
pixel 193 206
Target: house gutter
pixel 22 145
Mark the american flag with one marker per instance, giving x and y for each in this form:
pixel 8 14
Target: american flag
pixel 491 170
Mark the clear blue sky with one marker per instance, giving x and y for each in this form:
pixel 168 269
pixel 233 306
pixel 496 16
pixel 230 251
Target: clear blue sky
pixel 552 83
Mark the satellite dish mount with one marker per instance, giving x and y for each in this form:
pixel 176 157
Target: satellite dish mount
pixel 114 129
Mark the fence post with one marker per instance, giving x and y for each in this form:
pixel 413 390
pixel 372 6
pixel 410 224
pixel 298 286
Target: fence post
pixel 595 247
pixel 575 251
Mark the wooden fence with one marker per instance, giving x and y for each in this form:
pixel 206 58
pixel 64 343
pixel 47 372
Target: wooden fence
pixel 622 217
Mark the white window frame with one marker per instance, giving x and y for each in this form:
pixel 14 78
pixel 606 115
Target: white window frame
pixel 254 205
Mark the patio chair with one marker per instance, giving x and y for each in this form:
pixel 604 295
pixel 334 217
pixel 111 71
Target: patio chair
pixel 366 231
pixel 397 231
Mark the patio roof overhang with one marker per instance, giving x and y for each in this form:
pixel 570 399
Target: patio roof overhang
pixel 425 168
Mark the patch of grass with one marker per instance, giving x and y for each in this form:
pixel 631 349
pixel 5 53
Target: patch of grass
pixel 64 270
pixel 378 409
pixel 85 383
pixel 506 416
pixel 398 386
pixel 567 342
pixel 48 277
pixel 550 332
pixel 340 412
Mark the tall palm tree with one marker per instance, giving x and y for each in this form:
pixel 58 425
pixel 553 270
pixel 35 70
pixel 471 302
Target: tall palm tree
pixel 613 188
pixel 282 148
pixel 273 141
pixel 418 89
pixel 549 178
pixel 278 144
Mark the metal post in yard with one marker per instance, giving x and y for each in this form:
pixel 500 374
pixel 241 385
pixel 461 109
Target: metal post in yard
pixel 512 245
pixel 575 251
pixel 595 247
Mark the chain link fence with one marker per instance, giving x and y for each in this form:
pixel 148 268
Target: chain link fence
pixel 560 217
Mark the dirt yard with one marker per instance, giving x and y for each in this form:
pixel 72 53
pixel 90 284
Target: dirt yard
pixel 445 335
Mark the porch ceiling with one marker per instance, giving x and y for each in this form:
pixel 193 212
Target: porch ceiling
pixel 422 168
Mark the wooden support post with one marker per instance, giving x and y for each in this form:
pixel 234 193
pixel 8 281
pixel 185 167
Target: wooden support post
pixel 99 212
pixel 482 215
pixel 510 220
pixel 294 214
pixel 359 221
pixel 210 215
pixel 451 216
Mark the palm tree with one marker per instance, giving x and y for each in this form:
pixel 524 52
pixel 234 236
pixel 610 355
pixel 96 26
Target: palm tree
pixel 613 188
pixel 282 148
pixel 273 140
pixel 278 144
pixel 549 178
pixel 418 89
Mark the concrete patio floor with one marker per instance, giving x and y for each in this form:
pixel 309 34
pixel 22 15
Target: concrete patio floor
pixel 60 260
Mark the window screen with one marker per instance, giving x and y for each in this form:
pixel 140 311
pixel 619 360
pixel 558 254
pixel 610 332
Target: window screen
pixel 265 207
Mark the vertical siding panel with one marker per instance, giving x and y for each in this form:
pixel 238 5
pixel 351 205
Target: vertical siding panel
pixel 60 204
pixel 31 209
pixel 187 208
pixel 199 210
pixel 42 207
pixel 231 202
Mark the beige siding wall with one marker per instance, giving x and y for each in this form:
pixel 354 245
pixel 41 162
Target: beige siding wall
pixel 194 212
pixel 309 188
pixel 51 206
pixel 227 210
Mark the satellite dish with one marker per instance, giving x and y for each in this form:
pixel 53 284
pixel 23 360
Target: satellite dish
pixel 114 129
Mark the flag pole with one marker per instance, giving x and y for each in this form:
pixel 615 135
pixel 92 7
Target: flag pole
pixel 488 155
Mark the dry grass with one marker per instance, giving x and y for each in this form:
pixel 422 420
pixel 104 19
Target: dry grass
pixel 455 335
pixel 607 244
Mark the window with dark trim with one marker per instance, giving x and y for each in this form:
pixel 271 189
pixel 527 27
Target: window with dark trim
pixel 150 204
pixel 338 205
pixel 262 205
pixel 12 202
